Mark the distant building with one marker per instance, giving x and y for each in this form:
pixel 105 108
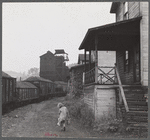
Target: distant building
pixel 81 58
pixel 53 66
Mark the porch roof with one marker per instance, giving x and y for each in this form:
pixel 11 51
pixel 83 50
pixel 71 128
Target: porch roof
pixel 111 37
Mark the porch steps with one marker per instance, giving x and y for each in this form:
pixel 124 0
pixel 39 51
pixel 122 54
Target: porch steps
pixel 137 117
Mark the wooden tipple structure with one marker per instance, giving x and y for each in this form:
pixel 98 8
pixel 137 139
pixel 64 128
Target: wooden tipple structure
pixel 53 66
pixel 125 84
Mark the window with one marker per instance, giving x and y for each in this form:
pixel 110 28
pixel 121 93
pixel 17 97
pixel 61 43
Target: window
pixel 126 61
pixel 125 14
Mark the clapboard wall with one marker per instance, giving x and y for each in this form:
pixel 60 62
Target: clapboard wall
pixel 101 99
pixel 89 92
pixel 133 10
pixel 136 9
pixel 127 77
pixel 144 30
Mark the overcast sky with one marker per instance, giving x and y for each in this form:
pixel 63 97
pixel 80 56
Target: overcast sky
pixel 29 30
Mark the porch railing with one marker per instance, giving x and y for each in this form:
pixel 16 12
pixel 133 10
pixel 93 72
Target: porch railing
pixel 105 75
pixel 90 76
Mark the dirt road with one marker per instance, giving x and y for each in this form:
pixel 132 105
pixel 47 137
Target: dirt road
pixel 39 120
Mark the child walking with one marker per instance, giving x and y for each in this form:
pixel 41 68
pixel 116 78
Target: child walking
pixel 63 116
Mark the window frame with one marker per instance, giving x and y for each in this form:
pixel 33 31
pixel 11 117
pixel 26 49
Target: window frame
pixel 126 61
pixel 125 10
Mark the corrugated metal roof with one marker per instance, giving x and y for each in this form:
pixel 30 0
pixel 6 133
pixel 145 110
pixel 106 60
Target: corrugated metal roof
pixel 35 78
pixel 6 75
pixel 22 84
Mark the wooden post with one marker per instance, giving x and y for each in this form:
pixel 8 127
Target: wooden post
pixel 85 60
pixel 89 58
pixel 96 59
pixel 84 67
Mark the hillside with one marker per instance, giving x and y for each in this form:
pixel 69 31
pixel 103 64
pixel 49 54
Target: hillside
pixel 17 75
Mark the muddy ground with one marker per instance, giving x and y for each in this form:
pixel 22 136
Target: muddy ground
pixel 39 120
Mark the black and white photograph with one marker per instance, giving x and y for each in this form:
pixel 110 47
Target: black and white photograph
pixel 75 69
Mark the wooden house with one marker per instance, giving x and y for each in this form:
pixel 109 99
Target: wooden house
pixel 53 66
pixel 75 84
pixel 123 85
pixel 133 61
pixel 76 79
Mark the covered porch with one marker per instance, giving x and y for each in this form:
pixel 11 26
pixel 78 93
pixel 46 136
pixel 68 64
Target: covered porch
pixel 101 82
pixel 121 37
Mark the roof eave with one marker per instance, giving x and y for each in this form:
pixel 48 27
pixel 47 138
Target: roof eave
pixel 80 48
pixel 95 29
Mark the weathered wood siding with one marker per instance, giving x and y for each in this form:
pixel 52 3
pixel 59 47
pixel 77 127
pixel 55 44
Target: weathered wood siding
pixel 105 102
pixel 89 92
pixel 47 66
pixel 101 99
pixel 144 30
pixel 133 9
pixel 53 67
pixel 136 9
pixel 127 77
